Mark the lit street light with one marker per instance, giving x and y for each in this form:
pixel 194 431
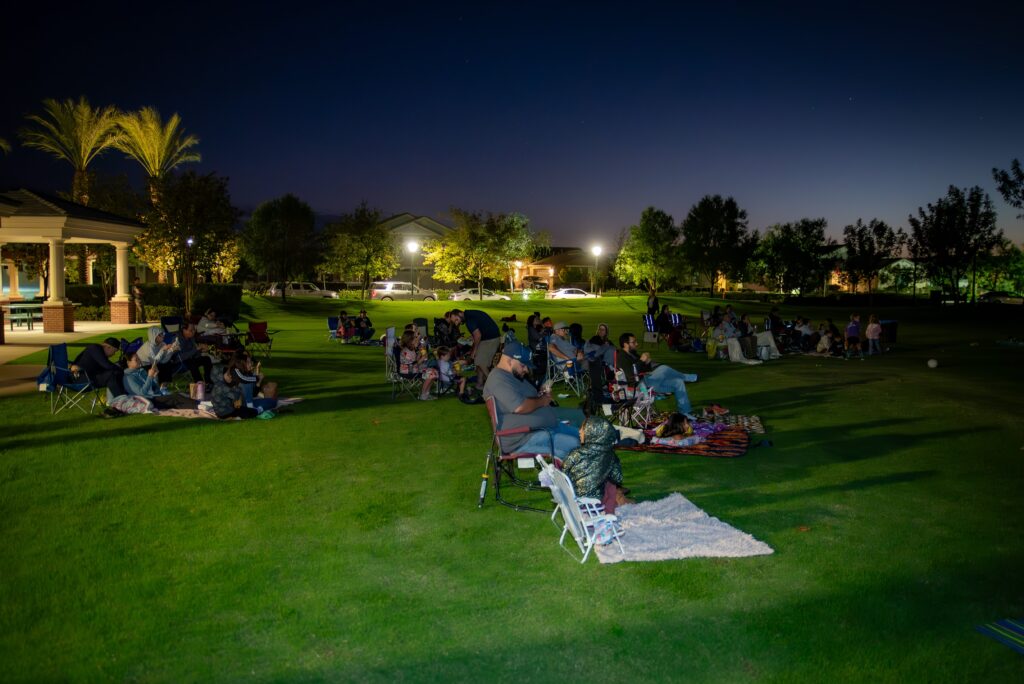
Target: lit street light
pixel 412 247
pixel 596 251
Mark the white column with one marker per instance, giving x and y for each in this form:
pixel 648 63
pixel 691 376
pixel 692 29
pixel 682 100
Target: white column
pixel 89 263
pixel 122 294
pixel 56 271
pixel 12 276
pixel 2 274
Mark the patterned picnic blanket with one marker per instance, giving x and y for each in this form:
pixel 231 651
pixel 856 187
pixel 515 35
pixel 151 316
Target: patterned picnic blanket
pixel 199 413
pixel 728 443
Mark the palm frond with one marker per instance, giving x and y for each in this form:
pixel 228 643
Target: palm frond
pixel 158 147
pixel 5 146
pixel 73 131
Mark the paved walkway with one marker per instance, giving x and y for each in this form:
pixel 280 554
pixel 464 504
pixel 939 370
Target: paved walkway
pixel 20 378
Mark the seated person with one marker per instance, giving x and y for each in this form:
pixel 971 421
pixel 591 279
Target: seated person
pixel 520 404
pixel 363 326
pixel 745 328
pixel 659 377
pixel 95 362
pixel 447 376
pixel 412 362
pixel 663 323
pixel 226 397
pixel 729 314
pixel 561 348
pixel 210 325
pixel 725 330
pixel 346 326
pixel 253 382
pixel 775 323
pixel 593 468
pixel 141 381
pixel 446 332
pixel 154 351
pixel 191 354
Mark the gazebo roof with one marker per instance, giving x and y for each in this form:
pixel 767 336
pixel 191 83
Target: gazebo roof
pixel 33 216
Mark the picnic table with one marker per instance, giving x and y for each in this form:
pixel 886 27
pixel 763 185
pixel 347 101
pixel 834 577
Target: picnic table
pixel 24 313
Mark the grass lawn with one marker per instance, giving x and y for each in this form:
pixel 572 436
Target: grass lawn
pixel 342 541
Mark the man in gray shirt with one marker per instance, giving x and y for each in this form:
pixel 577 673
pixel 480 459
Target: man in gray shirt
pixel 519 404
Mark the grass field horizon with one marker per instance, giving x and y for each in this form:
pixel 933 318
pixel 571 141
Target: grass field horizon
pixel 341 541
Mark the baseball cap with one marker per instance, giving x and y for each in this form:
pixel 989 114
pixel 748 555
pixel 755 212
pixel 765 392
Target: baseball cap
pixel 518 352
pixel 561 324
pixel 113 342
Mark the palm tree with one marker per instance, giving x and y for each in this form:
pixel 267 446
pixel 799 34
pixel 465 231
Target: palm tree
pixel 75 132
pixel 5 146
pixel 158 147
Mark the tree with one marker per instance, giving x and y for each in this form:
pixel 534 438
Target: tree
pixel 481 246
pixel 794 256
pixel 1002 268
pixel 1011 185
pixel 951 233
pixel 716 240
pixel 357 246
pixel 648 253
pixel 187 231
pixel 868 247
pixel 157 147
pixel 227 260
pixel 74 132
pixel 5 146
pixel 279 238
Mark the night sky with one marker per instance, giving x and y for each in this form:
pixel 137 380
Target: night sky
pixel 578 115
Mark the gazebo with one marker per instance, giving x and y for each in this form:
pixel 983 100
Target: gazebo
pixel 32 216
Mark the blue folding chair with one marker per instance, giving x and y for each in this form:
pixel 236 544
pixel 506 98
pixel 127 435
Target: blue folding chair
pixel 332 329
pixel 65 388
pixel 171 324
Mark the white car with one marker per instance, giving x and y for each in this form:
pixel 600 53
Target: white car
pixel 473 294
pixel 571 293
pixel 300 290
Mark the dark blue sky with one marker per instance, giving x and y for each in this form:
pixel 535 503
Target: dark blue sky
pixel 578 115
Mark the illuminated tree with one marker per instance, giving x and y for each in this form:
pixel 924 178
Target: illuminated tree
pixel 358 247
pixel 156 146
pixel 5 146
pixel 649 252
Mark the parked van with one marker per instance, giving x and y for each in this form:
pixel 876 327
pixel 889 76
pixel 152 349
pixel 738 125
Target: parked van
pixel 387 290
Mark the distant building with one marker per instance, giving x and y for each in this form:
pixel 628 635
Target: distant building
pixel 575 265
pixel 411 232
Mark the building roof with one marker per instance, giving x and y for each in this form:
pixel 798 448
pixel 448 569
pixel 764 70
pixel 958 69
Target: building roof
pixel 23 203
pixel 424 222
pixel 569 258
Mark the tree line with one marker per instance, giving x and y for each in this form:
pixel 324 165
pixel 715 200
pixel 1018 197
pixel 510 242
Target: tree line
pixel 949 240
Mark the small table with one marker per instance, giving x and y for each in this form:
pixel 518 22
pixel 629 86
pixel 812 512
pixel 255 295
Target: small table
pixel 23 311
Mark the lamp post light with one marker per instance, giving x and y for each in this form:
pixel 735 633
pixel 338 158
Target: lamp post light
pixel 596 251
pixel 412 247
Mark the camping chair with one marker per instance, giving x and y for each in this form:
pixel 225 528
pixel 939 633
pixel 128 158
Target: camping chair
pixel 583 518
pixel 650 330
pixel 65 389
pixel 261 339
pixel 422 326
pixel 509 464
pixel 332 329
pixel 410 383
pixel 569 372
pixel 127 347
pixel 171 324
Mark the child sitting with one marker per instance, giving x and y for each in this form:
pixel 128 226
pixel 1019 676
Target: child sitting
pixel 446 373
pixel 412 361
pixel 593 468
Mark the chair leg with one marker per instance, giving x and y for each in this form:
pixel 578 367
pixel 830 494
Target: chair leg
pixel 483 480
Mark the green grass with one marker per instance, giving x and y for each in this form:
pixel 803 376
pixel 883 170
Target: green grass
pixel 342 541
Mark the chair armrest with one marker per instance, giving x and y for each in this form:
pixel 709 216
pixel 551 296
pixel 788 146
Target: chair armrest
pixel 588 500
pixel 513 431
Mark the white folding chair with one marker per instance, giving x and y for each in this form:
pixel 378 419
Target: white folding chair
pixel 588 528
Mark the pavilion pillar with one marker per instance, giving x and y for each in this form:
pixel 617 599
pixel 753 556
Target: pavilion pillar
pixel 89 263
pixel 122 308
pixel 13 292
pixel 58 312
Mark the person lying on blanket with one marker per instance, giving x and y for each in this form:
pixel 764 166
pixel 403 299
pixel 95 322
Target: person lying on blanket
pixel 660 378
pixel 593 468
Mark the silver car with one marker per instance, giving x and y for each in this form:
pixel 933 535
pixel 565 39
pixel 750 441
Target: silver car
pixel 300 290
pixel 387 290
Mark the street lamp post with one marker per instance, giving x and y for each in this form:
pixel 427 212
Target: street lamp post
pixel 412 247
pixel 596 250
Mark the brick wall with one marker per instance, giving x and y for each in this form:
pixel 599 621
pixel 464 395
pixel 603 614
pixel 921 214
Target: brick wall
pixel 58 318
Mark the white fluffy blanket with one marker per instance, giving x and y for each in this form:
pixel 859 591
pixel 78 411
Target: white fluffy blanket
pixel 675 528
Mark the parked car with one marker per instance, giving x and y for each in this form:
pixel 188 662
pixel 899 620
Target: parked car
pixel 1000 297
pixel 300 290
pixel 534 283
pixel 387 290
pixel 472 293
pixel 571 293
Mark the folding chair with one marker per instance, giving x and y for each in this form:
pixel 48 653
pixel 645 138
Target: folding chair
pixel 332 329
pixel 261 339
pixel 584 518
pixel 171 324
pixel 410 383
pixel 64 388
pixel 127 347
pixel 421 324
pixel 650 330
pixel 569 372
pixel 509 464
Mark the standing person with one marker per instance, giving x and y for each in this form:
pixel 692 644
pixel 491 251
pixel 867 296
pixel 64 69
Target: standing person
pixel 139 295
pixel 653 305
pixel 659 377
pixel 519 404
pixel 853 337
pixel 486 338
pixel 873 334
pixel 95 362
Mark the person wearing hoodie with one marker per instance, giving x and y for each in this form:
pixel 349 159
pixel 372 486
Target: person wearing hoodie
pixel 154 351
pixel 142 381
pixel 593 468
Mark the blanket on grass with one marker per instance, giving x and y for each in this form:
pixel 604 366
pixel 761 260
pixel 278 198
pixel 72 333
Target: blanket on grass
pixel 202 413
pixel 728 443
pixel 672 528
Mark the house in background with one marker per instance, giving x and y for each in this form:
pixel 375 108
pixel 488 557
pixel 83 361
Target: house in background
pixel 564 267
pixel 411 232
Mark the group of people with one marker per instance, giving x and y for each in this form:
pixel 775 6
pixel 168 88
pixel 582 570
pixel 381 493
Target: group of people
pixel 139 381
pixel 855 339
pixel 358 328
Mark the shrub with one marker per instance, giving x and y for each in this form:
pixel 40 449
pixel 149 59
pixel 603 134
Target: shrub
pixel 226 299
pixel 163 294
pixel 154 313
pixel 86 295
pixel 92 313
